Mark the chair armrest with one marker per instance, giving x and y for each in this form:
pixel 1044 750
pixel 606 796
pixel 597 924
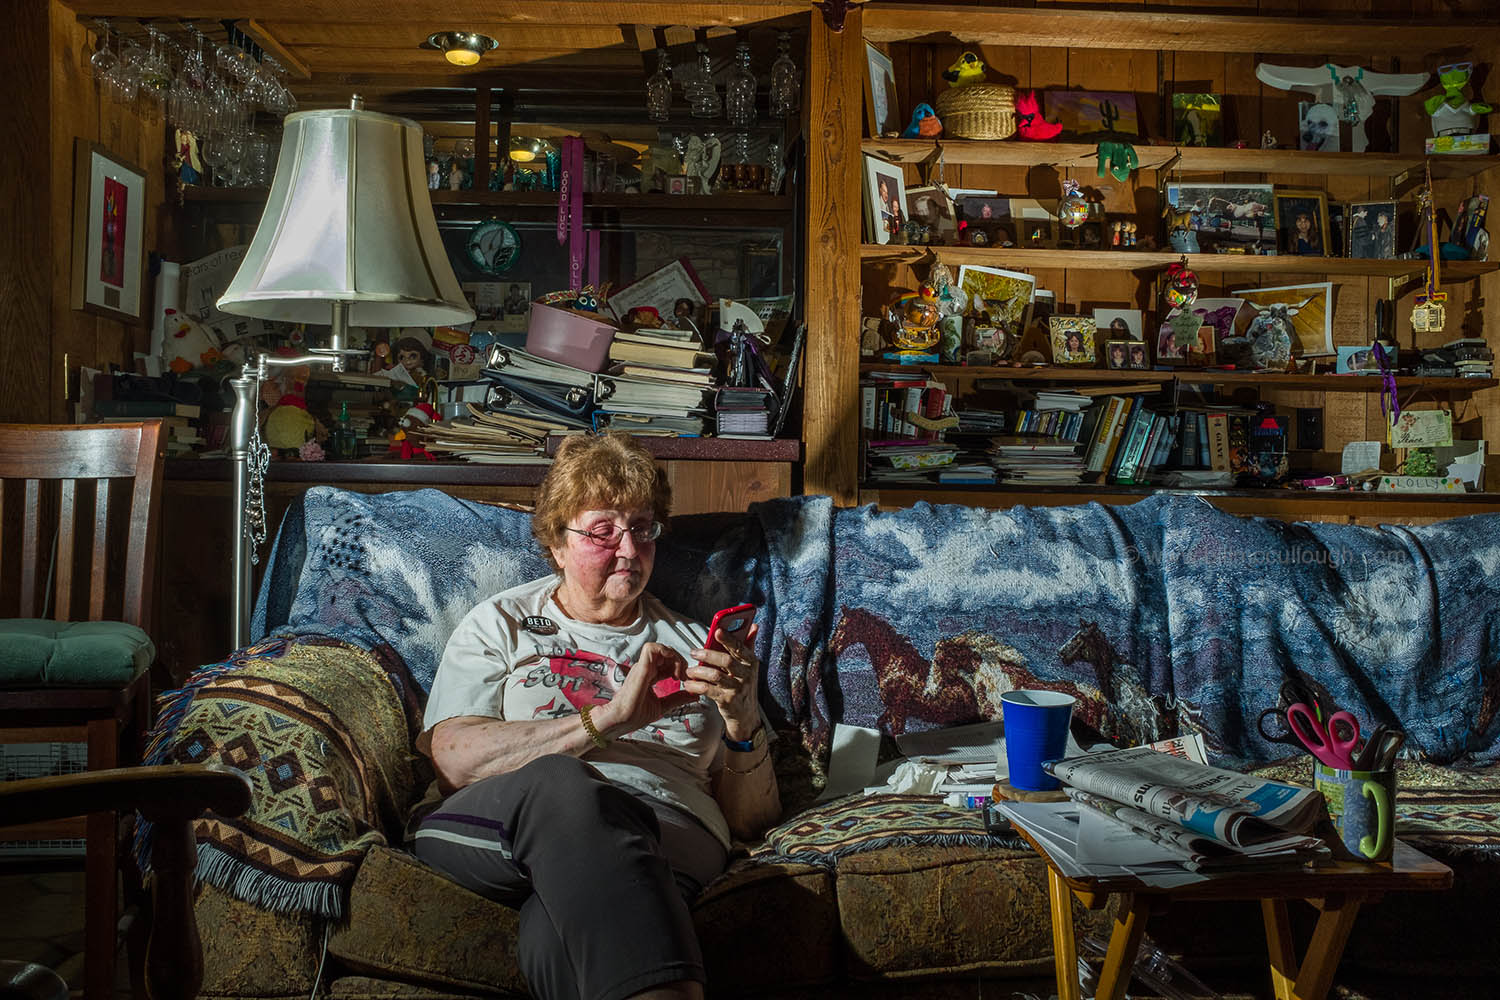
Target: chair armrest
pixel 172 796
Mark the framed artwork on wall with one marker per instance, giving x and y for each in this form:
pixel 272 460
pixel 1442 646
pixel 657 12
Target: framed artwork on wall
pixel 109 218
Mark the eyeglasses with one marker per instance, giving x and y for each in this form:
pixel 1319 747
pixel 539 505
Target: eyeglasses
pixel 609 536
pixel 1463 67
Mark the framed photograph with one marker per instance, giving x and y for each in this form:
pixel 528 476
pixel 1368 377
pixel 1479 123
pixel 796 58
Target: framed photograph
pixel 1372 230
pixel 1239 218
pixel 1072 339
pixel 1118 324
pixel 1137 354
pixel 109 218
pixel 984 220
pixel 1184 340
pixel 1004 295
pixel 932 207
pixel 1117 354
pixel 1197 119
pixel 1302 222
pixel 885 199
pixel 1288 321
pixel 883 113
pixel 1036 223
pixel 677 184
pixel 1317 127
pixel 1088 112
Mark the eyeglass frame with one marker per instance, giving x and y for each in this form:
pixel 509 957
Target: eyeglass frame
pixel 1467 67
pixel 654 528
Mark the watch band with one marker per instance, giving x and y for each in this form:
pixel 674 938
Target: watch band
pixel 757 739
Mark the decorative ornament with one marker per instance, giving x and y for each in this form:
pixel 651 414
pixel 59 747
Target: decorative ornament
pixel 915 317
pixel 1453 113
pixel 1117 160
pixel 925 124
pixel 1267 140
pixel 493 246
pixel 1349 90
pixel 1072 207
pixel 1428 312
pixel 701 161
pixel 965 71
pixel 1182 286
pixel 1030 124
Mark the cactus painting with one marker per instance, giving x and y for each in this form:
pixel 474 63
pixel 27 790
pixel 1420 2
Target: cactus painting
pixel 1092 113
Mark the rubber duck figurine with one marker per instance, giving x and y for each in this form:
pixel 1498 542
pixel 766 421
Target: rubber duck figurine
pixel 925 124
pixel 1029 121
pixel 968 69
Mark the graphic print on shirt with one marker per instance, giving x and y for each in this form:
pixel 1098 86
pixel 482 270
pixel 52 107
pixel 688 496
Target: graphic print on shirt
pixel 582 677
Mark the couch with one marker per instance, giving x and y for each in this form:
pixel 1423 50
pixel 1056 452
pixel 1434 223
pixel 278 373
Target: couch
pixel 1160 617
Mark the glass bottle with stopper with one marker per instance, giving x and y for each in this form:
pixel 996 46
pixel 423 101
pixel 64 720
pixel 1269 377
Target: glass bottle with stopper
pixel 739 89
pixel 786 82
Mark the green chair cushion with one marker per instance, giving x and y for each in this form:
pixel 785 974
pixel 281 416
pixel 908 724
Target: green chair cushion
pixel 77 654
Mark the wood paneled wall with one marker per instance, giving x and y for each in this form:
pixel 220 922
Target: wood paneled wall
pixel 53 100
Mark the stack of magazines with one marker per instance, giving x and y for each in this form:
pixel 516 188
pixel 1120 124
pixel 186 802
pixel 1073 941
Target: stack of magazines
pixel 1169 819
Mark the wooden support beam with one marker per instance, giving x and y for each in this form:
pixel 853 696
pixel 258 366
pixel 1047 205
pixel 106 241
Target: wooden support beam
pixel 268 41
pixel 835 69
pixel 482 139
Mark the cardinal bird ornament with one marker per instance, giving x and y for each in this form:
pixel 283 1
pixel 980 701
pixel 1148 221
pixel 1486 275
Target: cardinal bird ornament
pixel 1029 121
pixel 925 124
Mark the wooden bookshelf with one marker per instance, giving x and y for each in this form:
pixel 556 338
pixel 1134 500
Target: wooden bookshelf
pixel 1169 30
pixel 1188 159
pixel 1150 260
pixel 736 203
pixel 1194 376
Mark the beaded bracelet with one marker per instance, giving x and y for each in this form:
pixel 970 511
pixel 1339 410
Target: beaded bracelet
pixel 590 728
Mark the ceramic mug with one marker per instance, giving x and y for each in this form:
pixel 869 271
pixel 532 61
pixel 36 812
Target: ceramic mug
pixel 1362 805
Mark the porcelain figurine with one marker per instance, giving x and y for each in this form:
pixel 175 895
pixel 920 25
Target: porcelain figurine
pixel 1453 113
pixel 1351 90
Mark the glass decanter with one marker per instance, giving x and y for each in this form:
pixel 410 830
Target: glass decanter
pixel 739 89
pixel 659 90
pixel 703 98
pixel 786 81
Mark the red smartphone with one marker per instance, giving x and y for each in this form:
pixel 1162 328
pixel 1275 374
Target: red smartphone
pixel 733 620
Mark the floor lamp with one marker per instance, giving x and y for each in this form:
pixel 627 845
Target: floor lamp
pixel 347 238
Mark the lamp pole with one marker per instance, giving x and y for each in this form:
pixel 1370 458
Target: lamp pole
pixel 250 457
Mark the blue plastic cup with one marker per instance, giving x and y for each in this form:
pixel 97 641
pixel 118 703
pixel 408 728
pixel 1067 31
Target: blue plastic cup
pixel 1036 729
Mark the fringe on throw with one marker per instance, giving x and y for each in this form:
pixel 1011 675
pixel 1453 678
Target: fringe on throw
pixel 267 889
pixel 829 858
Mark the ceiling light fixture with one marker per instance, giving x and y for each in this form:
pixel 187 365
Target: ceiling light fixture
pixel 462 48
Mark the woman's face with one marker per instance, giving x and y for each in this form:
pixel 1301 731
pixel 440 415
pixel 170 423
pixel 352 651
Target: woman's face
pixel 1304 225
pixel 410 360
pixel 601 573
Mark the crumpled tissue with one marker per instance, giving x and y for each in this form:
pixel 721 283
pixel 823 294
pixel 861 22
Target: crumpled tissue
pixel 916 778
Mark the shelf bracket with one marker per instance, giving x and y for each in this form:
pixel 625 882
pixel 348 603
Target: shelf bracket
pixel 835 11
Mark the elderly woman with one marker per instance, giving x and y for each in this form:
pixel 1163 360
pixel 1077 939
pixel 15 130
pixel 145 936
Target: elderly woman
pixel 579 786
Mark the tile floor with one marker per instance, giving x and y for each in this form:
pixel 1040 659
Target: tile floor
pixel 43 923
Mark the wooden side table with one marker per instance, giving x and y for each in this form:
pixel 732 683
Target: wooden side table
pixel 1336 890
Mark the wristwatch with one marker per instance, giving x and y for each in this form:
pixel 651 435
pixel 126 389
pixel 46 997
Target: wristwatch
pixel 755 742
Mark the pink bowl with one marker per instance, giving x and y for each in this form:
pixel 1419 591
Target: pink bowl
pixel 572 338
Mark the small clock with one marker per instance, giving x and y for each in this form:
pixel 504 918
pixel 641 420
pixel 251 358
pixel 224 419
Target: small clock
pixel 493 246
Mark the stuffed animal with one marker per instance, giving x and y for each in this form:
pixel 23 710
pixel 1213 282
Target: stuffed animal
pixel 1029 121
pixel 420 414
pixel 965 71
pixel 1453 113
pixel 925 124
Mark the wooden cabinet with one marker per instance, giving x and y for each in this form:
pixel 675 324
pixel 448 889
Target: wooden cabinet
pixel 1152 54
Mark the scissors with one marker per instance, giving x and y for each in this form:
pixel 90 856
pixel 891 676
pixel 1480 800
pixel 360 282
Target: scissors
pixel 1273 726
pixel 1380 749
pixel 1321 737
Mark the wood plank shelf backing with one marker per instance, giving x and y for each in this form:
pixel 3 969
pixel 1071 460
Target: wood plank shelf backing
pixel 1194 376
pixel 1194 159
pixel 1169 31
pixel 1144 260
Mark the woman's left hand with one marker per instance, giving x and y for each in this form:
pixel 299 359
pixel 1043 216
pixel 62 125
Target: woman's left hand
pixel 730 677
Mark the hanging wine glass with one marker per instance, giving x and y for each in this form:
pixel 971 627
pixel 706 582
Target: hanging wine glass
pixel 739 89
pixel 703 98
pixel 786 82
pixel 659 90
pixel 155 73
pixel 103 61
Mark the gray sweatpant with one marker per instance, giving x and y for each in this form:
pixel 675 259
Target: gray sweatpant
pixel 601 875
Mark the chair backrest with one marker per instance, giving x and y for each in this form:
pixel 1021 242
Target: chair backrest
pixel 79 508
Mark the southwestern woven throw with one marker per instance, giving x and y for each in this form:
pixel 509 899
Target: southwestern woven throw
pixel 324 791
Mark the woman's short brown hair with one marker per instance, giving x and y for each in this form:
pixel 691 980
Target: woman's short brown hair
pixel 607 471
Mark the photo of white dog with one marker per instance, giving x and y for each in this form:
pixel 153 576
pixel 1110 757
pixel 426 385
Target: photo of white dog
pixel 1318 130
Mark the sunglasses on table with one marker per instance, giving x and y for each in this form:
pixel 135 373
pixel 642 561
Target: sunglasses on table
pixel 609 536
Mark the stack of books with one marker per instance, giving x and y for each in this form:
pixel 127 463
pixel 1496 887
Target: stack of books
pixel 659 383
pixel 670 355
pixel 1039 461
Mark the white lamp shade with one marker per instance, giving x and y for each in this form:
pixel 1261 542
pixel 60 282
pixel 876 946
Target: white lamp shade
pixel 349 219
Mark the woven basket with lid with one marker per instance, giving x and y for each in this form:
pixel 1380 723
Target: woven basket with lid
pixel 978 111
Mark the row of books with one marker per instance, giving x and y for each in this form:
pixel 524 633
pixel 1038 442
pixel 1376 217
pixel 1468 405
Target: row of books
pixel 1132 442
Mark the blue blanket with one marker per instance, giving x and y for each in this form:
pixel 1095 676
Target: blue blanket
pixel 1159 616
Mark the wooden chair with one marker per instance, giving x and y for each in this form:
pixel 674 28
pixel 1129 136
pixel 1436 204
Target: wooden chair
pixel 78 536
pixel 171 796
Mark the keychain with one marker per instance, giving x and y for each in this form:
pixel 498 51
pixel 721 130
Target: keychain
pixel 1428 314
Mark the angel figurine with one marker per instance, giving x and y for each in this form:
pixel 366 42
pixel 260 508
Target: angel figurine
pixel 701 161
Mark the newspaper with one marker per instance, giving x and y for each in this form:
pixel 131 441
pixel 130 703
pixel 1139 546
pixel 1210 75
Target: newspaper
pixel 1228 807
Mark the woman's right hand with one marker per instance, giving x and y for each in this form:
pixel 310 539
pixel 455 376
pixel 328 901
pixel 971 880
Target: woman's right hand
pixel 635 704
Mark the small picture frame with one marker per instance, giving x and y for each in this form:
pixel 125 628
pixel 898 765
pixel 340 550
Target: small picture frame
pixel 1197 119
pixel 1302 222
pixel 1317 127
pixel 1118 324
pixel 885 200
pixel 1237 218
pixel 677 184
pixel 109 222
pixel 1139 355
pixel 883 113
pixel 1372 230
pixel 1200 349
pixel 1117 354
pixel 933 207
pixel 1072 339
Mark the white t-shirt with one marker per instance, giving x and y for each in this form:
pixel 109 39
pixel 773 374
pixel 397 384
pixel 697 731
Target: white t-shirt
pixel 518 657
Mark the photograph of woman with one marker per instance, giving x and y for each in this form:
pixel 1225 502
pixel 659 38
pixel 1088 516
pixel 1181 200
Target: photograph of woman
pixel 1302 222
pixel 569 786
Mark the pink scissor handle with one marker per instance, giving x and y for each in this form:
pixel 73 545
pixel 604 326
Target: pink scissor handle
pixel 1322 739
